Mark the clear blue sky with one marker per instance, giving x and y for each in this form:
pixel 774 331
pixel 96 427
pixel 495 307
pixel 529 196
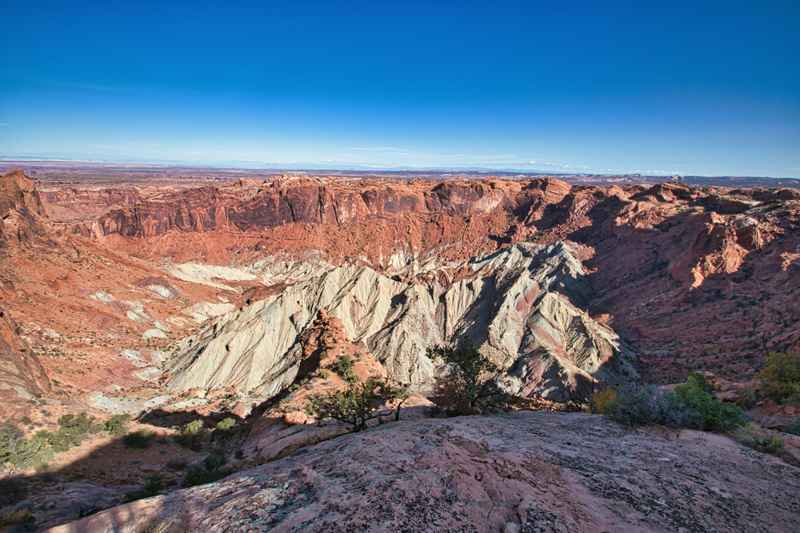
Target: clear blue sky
pixel 694 88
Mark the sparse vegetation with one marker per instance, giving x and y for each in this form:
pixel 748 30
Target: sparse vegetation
pixel 746 398
pixel 40 447
pixel 226 424
pixel 138 439
pixel 690 405
pixel 794 427
pixel 343 366
pixel 602 400
pixel 754 437
pixel 117 425
pixel 209 471
pixel 468 385
pixel 191 435
pixel 72 430
pixel 780 378
pixel 356 405
pixel 697 395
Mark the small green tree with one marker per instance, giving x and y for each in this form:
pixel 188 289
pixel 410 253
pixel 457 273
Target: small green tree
pixel 356 405
pixel 715 415
pixel 780 377
pixel 468 384
pixel 344 367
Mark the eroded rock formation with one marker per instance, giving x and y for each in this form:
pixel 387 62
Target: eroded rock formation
pixel 522 306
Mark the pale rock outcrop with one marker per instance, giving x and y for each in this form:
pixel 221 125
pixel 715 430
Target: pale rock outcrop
pixel 521 306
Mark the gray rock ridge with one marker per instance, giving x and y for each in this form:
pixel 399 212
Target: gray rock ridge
pixel 522 306
pixel 524 471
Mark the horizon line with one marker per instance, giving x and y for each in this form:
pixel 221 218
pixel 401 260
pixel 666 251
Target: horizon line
pixel 361 168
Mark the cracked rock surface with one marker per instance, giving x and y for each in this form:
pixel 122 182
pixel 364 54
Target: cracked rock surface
pixel 521 472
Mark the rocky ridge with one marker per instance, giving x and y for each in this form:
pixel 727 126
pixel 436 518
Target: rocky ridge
pixel 520 472
pixel 521 306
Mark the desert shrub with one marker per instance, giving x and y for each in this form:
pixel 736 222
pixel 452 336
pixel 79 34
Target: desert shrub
pixel 191 435
pixel 746 398
pixel 214 461
pixel 138 439
pixel 794 427
pixel 771 444
pixel 603 400
pixel 40 447
pixel 636 406
pixel 117 425
pixel 34 451
pixel 356 405
pixel 468 384
pixel 755 437
pixel 226 424
pixel 689 406
pixel 72 431
pixel 10 438
pixel 209 471
pixel 715 415
pixel 152 486
pixel 18 519
pixel 780 377
pixel 344 367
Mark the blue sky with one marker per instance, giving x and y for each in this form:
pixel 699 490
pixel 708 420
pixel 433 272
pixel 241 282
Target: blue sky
pixel 694 88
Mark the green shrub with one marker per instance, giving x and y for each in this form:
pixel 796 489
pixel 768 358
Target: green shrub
pixel 226 424
pixel 468 384
pixel 344 367
pixel 772 444
pixel 40 448
pixel 34 451
pixel 691 405
pixel 356 405
pixel 117 425
pixel 10 438
pixel 138 439
pixel 637 406
pixel 72 431
pixel 191 435
pixel 780 377
pixel 715 415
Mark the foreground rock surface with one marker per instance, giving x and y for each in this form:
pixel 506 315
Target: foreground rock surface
pixel 518 472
